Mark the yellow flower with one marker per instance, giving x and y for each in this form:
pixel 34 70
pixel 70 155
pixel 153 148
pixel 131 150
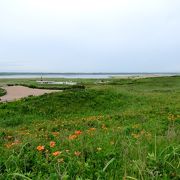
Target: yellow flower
pixel 135 126
pixel 172 117
pixel 112 143
pixel 60 160
pixel 99 149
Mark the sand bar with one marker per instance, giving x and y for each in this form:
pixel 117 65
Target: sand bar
pixel 18 92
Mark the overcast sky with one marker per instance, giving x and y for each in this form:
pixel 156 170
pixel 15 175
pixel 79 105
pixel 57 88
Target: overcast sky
pixel 90 35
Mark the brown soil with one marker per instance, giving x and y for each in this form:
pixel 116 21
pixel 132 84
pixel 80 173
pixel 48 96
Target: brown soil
pixel 18 92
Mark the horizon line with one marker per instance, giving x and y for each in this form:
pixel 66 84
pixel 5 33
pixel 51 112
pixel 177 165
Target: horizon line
pixel 166 72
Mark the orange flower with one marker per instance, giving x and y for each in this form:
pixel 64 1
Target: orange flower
pixel 9 137
pixel 9 145
pixel 92 129
pixel 77 153
pixel 57 153
pixel 16 142
pixel 71 137
pixel 148 136
pixel 40 148
pixel 136 136
pixel 55 133
pixel 78 132
pixel 52 144
pixel 142 132
pixel 104 126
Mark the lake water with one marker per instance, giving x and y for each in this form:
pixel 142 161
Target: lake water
pixel 78 75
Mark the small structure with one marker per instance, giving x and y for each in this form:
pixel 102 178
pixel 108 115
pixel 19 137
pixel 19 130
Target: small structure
pixel 55 82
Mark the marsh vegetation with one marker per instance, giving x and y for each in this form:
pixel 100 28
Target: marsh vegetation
pixel 2 92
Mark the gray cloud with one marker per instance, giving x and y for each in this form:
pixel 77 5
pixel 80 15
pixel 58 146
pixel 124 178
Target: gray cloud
pixel 114 36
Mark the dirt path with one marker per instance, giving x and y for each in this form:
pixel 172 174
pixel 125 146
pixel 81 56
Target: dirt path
pixel 18 92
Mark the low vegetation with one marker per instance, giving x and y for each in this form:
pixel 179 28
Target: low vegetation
pixel 2 92
pixel 121 129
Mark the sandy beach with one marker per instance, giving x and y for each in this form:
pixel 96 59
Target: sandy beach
pixel 18 92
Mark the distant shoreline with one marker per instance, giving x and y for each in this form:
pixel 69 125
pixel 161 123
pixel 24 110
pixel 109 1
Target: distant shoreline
pixel 8 75
pixel 84 73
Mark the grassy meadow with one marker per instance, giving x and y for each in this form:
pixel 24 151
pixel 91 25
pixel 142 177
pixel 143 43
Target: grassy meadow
pixel 116 129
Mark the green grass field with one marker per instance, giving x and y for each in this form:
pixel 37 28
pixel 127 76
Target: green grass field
pixel 124 128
